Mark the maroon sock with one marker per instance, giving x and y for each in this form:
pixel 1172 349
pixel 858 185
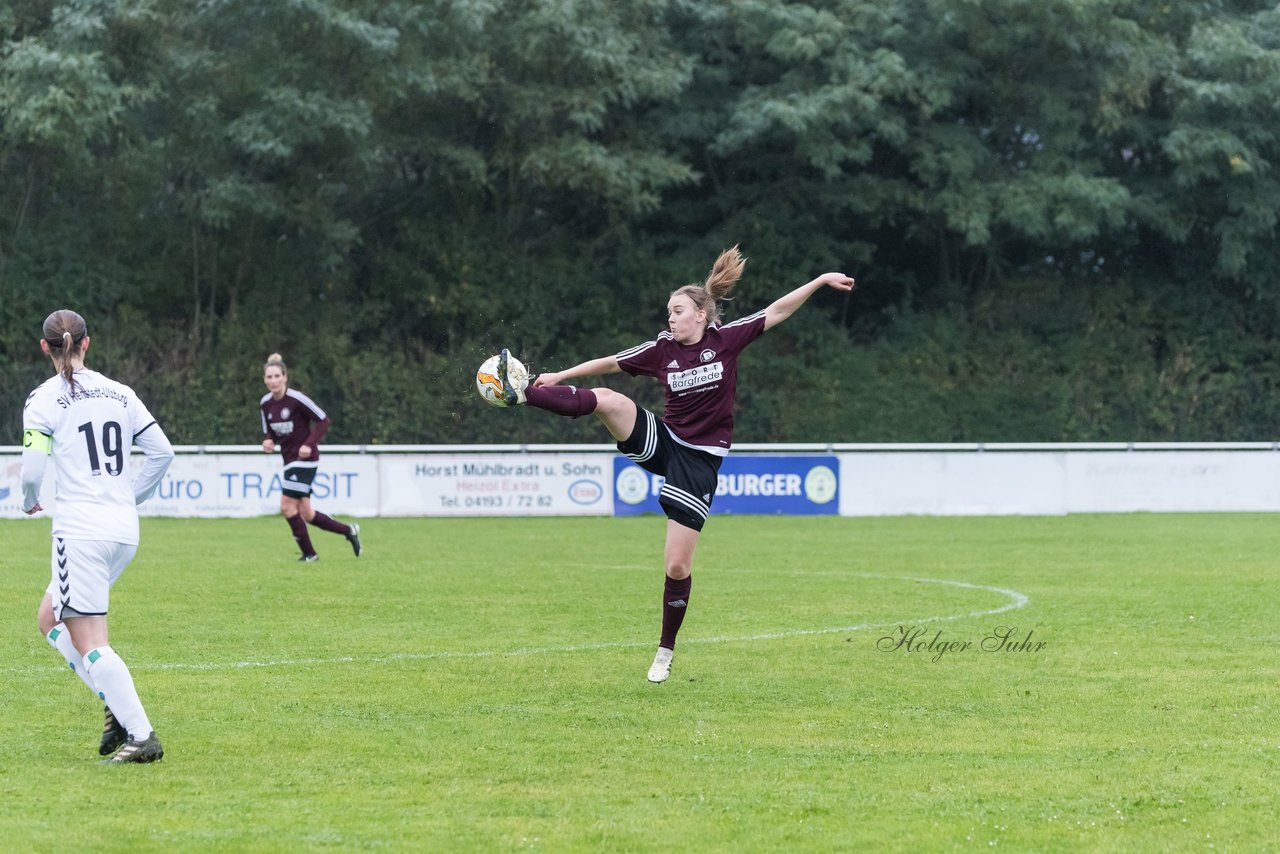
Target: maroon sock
pixel 562 399
pixel 300 534
pixel 675 601
pixel 328 523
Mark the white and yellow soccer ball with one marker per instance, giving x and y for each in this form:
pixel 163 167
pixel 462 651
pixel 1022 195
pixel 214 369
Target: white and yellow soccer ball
pixel 490 386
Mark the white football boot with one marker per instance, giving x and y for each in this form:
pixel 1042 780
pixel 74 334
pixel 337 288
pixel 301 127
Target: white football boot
pixel 514 378
pixel 661 667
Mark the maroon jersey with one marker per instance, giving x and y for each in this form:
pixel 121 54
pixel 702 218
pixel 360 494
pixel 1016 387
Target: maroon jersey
pixel 293 421
pixel 700 380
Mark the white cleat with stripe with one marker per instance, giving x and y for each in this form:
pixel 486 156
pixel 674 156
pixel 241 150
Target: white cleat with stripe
pixel 661 667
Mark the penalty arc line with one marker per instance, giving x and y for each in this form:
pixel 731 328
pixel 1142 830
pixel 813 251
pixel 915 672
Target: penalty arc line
pixel 1016 600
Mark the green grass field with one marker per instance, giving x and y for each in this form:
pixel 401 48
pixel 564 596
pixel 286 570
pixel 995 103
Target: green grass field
pixel 479 685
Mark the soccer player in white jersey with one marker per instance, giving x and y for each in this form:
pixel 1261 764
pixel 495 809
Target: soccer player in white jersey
pixel 88 423
pixel 696 359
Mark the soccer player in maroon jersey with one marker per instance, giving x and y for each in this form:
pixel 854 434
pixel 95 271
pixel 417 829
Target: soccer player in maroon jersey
pixel 294 422
pixel 696 359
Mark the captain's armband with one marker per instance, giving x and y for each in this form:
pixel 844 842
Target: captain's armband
pixel 37 440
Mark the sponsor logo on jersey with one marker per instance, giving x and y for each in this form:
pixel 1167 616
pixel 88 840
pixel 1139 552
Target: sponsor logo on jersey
pixel 282 428
pixel 695 377
pixel 673 365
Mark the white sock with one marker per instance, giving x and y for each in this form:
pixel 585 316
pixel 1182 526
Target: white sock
pixel 60 639
pixel 115 686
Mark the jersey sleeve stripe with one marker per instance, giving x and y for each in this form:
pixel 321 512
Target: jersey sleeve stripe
pixel 750 318
pixel 636 350
pixel 640 348
pixel 310 404
pixel 143 430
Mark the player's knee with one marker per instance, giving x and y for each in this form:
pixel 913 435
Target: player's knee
pixel 612 403
pixel 679 568
pixel 606 399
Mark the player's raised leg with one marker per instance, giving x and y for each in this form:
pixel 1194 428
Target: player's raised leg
pixel 551 392
pixel 615 410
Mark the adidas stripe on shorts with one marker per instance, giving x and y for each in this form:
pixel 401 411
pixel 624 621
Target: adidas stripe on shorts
pixel 691 475
pixel 298 477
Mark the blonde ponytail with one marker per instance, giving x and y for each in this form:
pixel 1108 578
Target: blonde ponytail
pixel 720 281
pixel 725 273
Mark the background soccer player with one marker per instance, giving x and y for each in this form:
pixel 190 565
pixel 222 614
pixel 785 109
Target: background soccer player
pixel 294 422
pixel 696 359
pixel 88 423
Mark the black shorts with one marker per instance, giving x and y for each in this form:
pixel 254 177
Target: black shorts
pixel 691 475
pixel 298 477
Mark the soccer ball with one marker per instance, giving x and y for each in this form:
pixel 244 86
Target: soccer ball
pixel 488 384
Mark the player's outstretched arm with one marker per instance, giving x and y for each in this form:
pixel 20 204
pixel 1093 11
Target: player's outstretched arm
pixel 593 368
pixel 785 306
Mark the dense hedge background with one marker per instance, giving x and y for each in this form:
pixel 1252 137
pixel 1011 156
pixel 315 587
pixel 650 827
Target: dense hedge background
pixel 1061 214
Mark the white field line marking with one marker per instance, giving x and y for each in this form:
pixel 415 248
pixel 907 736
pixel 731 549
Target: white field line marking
pixel 1016 600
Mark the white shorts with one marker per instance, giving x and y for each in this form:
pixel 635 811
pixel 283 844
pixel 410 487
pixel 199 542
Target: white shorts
pixel 83 572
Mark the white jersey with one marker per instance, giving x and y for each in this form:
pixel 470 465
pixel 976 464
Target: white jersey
pixel 89 431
